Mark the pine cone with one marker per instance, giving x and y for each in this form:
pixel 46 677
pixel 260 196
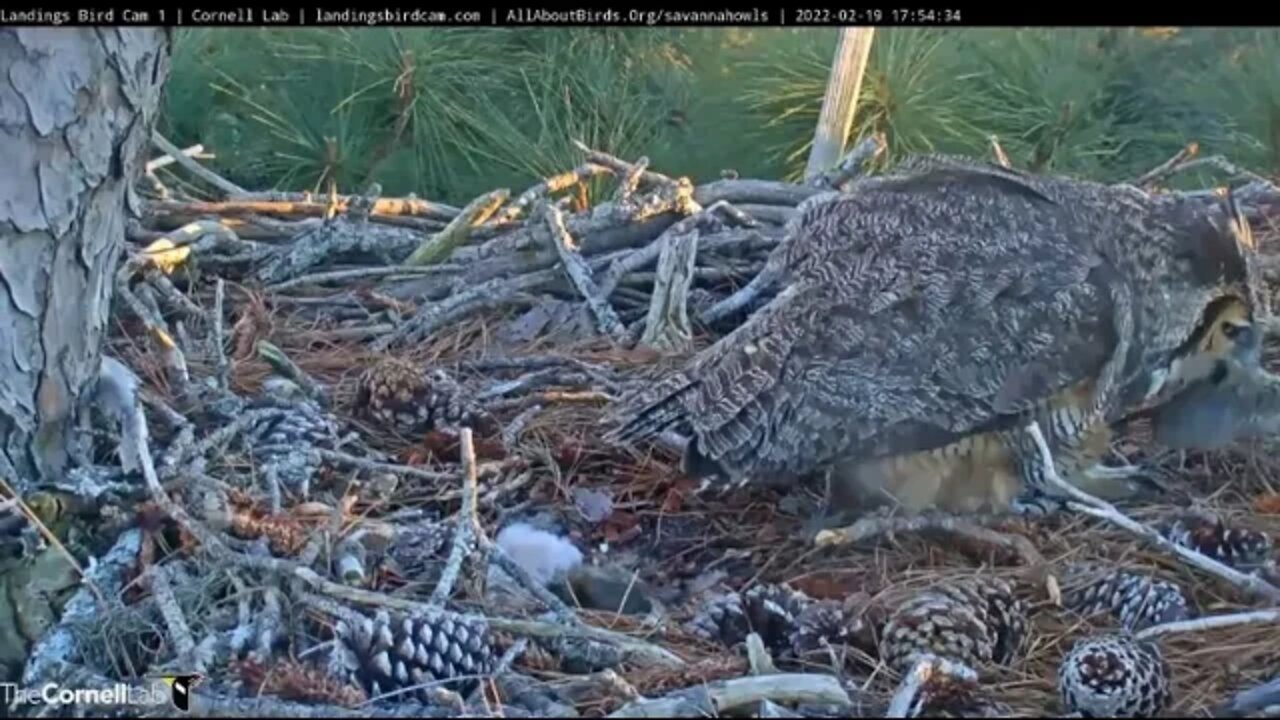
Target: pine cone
pixel 827 622
pixel 1114 676
pixel 419 551
pixel 771 611
pixel 946 695
pixel 972 621
pixel 1137 601
pixel 281 445
pixel 393 652
pixel 400 395
pixel 1207 534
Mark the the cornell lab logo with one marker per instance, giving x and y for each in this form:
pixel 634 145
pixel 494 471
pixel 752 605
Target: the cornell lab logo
pixel 180 687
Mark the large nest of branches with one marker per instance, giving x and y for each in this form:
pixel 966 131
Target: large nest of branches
pixel 375 481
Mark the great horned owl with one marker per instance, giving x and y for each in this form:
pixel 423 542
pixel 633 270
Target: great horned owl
pixel 931 313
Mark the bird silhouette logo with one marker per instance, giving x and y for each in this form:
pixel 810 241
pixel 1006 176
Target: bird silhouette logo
pixel 180 687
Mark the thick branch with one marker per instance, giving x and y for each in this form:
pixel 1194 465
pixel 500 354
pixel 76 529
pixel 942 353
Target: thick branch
pixel 439 246
pixel 580 274
pixel 667 324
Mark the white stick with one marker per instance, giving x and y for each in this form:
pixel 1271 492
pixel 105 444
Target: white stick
pixel 1090 505
pixel 1212 622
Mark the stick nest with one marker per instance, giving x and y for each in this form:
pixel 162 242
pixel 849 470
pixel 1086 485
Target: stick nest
pixel 535 310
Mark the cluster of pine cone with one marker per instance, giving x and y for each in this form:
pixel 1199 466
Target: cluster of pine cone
pixel 977 622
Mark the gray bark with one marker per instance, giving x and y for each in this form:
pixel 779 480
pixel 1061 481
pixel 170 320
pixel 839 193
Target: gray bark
pixel 77 106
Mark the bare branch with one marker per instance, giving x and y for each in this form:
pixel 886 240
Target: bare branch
pixel 717 698
pixel 1168 167
pixel 195 151
pixel 193 167
pixel 580 274
pixel 466 525
pixel 546 188
pixel 438 246
pixel 1212 622
pixel 853 163
pixel 667 324
pixel 222 365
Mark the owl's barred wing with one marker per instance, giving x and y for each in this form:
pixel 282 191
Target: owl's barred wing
pixel 940 306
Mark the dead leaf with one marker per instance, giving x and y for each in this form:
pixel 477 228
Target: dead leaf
pixel 1267 504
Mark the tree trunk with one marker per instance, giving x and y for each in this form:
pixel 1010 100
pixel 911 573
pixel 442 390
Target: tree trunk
pixel 77 107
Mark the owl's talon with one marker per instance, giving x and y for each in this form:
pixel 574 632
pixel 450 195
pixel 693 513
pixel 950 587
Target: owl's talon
pixel 1123 482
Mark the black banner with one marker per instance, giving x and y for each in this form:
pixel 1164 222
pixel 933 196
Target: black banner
pixel 339 14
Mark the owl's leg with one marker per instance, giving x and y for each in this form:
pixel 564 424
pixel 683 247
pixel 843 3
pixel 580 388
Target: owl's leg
pixel 1079 439
pixel 974 475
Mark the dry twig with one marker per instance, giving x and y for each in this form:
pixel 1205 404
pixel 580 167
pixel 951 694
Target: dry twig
pixel 1089 505
pixel 1168 167
pixel 218 340
pixel 998 152
pixel 1212 622
pixel 467 525
pixel 717 698
pixel 193 167
pixel 924 668
pixel 854 162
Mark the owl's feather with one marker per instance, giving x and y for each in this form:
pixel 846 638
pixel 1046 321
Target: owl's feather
pixel 942 301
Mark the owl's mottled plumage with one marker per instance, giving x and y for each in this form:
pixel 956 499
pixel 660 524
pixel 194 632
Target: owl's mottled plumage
pixel 1114 676
pixel 932 313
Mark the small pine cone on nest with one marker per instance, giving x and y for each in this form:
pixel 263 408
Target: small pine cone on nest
pixel 419 551
pixel 389 652
pixel 771 611
pixel 1207 534
pixel 974 622
pixel 281 444
pixel 1137 601
pixel 1114 675
pixel 827 622
pixel 947 695
pixel 401 395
